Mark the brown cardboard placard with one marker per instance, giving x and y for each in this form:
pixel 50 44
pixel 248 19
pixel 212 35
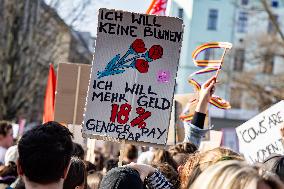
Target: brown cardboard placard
pixel 71 91
pixel 176 132
pixel 214 141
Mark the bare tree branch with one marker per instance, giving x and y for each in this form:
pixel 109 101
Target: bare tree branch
pixel 272 18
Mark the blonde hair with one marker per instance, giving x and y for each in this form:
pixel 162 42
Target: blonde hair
pixel 198 162
pixel 94 180
pixel 234 175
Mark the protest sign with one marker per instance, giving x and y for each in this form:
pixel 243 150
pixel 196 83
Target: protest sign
pixel 260 136
pixel 214 141
pixel 230 139
pixel 133 77
pixel 71 92
pixel 182 102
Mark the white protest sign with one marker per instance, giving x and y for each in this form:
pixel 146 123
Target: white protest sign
pixel 133 77
pixel 260 136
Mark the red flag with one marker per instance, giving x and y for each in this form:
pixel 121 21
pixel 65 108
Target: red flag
pixel 158 7
pixel 48 112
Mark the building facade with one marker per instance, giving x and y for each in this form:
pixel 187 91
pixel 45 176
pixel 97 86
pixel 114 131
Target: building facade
pixel 32 36
pixel 252 69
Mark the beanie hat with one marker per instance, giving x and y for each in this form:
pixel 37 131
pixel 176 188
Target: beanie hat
pixel 122 178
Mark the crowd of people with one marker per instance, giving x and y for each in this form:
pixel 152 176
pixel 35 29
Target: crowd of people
pixel 46 158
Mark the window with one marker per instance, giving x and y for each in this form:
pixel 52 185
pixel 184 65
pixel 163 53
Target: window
pixel 239 59
pixel 268 63
pixel 180 13
pixel 271 27
pixel 242 22
pixel 274 3
pixel 212 19
pixel 244 2
pixel 235 98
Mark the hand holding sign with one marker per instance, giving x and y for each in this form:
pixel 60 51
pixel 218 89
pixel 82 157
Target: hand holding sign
pixel 205 94
pixel 208 66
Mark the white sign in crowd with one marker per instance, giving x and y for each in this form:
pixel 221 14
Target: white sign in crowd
pixel 133 76
pixel 260 136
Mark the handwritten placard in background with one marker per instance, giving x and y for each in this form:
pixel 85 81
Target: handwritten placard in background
pixel 133 77
pixel 260 136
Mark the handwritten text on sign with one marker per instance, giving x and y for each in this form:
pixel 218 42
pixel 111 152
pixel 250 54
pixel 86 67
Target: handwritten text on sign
pixel 133 76
pixel 260 136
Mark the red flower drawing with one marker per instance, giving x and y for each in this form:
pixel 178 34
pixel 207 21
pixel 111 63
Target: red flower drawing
pixel 155 52
pixel 141 65
pixel 138 46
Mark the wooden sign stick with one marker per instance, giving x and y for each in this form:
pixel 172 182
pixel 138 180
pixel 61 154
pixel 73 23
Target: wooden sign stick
pixel 121 152
pixel 222 60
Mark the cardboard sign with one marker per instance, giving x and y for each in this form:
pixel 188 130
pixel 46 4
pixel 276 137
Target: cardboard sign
pixel 176 130
pixel 230 139
pixel 133 77
pixel 260 136
pixel 214 141
pixel 71 92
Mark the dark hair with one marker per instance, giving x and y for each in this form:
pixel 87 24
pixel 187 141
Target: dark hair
pixel 78 151
pixel 163 156
pixel 45 152
pixel 131 152
pixel 90 167
pixel 122 178
pixel 186 148
pixel 180 158
pixel 110 163
pixel 169 172
pixel 77 174
pixel 99 160
pixel 5 126
pixel 275 164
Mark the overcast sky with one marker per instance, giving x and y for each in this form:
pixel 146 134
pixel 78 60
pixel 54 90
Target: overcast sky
pixel 89 20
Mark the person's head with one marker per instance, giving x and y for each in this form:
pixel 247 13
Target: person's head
pixel 163 156
pixel 169 172
pixel 110 163
pixel 6 134
pixel 185 148
pixel 77 175
pixel 98 160
pixel 198 162
pixel 45 153
pixel 180 158
pixel 275 164
pixel 122 178
pixel 234 174
pixel 78 151
pixel 131 153
pixel 90 167
pixel 94 180
pixel 9 173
